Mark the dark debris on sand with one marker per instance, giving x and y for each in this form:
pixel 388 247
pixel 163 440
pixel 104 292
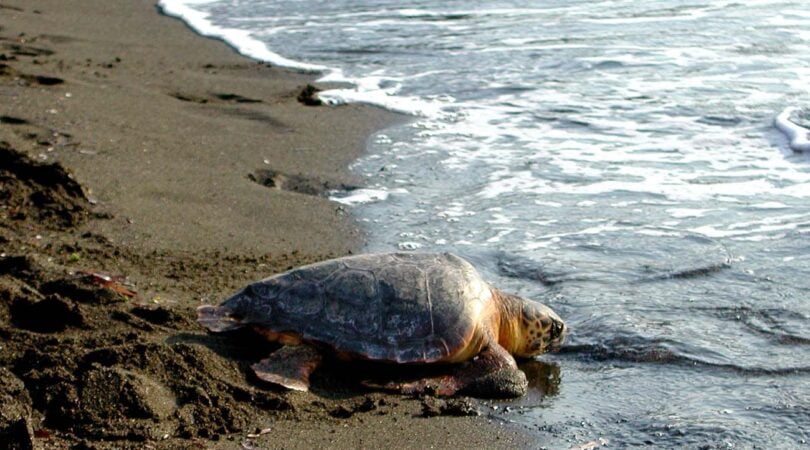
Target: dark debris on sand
pixel 309 96
pixel 457 407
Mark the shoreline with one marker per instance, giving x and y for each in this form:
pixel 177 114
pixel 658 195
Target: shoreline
pixel 173 87
pixel 147 170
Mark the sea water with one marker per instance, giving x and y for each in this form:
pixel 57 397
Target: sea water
pixel 616 160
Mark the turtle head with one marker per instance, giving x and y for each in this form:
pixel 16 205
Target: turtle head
pixel 539 330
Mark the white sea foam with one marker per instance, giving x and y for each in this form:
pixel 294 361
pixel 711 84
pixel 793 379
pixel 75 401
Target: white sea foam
pixel 499 219
pixel 770 205
pixel 371 89
pixel 241 40
pixel 409 245
pixel 798 136
pixel 359 196
pixel 500 233
pixel 681 213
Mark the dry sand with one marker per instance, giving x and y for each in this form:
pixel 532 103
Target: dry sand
pixel 135 159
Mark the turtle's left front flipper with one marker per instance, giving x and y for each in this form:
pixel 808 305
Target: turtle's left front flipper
pixel 289 366
pixel 494 374
pixel 491 374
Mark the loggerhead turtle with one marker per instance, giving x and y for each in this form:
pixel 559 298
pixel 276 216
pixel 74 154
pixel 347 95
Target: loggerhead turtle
pixel 412 308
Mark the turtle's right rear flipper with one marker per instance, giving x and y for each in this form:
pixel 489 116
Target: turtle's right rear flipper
pixel 217 318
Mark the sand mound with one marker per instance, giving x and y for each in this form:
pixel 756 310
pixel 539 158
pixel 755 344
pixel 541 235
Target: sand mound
pixel 37 191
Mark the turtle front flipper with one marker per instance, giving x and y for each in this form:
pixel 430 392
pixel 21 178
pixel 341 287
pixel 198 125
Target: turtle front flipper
pixel 289 366
pixel 494 374
pixel 491 374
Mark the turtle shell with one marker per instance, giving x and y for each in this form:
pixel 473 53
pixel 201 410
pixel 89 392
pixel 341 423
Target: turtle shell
pixel 403 307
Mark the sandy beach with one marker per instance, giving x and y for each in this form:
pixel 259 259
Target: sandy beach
pixel 145 170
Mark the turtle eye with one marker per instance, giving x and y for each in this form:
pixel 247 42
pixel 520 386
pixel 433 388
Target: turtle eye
pixel 557 329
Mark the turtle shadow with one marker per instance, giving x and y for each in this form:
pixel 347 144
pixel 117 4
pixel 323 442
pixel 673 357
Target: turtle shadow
pixel 241 347
pixel 369 376
pixel 544 377
pixel 337 379
pixel 238 345
pixel 334 380
pixel 545 381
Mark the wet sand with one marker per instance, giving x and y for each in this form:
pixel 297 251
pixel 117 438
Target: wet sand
pixel 145 170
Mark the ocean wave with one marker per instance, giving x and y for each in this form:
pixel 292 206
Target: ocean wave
pixel 615 251
pixel 780 326
pixel 657 350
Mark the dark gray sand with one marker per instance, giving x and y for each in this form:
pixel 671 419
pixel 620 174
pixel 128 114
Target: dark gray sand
pixel 145 170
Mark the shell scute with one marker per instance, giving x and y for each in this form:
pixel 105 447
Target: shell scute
pixel 303 297
pixel 405 301
pixel 360 322
pixel 265 290
pixel 352 286
pixel 352 301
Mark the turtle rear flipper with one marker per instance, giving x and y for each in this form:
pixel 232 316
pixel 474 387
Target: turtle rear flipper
pixel 217 318
pixel 289 366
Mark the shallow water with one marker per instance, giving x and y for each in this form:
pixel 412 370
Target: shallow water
pixel 613 159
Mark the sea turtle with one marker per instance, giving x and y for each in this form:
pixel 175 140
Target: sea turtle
pixel 410 308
